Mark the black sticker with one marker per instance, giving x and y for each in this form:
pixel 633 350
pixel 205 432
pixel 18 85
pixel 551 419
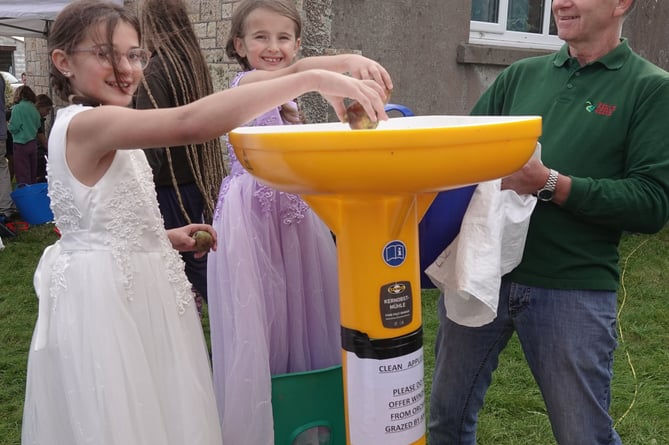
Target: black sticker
pixel 396 304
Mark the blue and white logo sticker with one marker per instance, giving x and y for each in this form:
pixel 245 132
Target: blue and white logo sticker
pixel 394 253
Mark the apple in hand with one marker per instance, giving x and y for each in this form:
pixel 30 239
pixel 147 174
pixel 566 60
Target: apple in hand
pixel 203 240
pixel 357 118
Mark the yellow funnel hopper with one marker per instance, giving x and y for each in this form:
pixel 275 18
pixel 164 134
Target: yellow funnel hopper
pixel 372 187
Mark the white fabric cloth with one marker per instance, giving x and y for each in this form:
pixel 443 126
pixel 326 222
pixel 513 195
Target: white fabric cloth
pixel 490 244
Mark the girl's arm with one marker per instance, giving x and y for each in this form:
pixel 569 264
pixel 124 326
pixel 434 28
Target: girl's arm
pixel 94 133
pixel 357 66
pixel 14 123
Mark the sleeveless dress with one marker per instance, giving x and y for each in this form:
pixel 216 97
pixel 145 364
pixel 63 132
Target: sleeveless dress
pixel 118 355
pixel 273 297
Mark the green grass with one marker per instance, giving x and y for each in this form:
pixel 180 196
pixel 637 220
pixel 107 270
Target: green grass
pixel 514 412
pixel 18 312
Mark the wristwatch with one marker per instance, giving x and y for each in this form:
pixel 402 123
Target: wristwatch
pixel 548 190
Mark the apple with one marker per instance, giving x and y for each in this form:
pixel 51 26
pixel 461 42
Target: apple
pixel 357 118
pixel 203 240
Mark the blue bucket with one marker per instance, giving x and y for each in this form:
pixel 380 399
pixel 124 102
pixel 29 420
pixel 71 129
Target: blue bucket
pixel 33 202
pixel 440 226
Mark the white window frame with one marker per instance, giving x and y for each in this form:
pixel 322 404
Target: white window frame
pixel 487 33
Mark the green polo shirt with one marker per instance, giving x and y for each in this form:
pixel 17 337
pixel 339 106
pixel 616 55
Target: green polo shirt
pixel 605 125
pixel 25 122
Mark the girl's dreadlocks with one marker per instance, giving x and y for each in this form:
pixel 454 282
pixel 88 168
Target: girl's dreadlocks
pixel 169 34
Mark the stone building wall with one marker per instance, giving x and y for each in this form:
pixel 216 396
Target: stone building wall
pixel 423 43
pixel 211 21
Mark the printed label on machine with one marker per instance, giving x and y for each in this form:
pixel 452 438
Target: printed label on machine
pixel 385 399
pixel 396 304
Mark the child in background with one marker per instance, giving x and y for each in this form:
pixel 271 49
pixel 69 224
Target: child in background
pixel 273 283
pixel 24 122
pixel 118 356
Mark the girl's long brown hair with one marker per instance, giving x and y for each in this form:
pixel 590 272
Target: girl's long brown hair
pixel 169 34
pixel 77 21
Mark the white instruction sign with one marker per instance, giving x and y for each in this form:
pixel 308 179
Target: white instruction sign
pixel 385 399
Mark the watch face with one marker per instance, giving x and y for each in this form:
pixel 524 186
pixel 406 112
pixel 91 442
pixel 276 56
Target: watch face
pixel 545 195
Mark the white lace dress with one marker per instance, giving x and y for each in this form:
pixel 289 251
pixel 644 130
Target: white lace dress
pixel 118 356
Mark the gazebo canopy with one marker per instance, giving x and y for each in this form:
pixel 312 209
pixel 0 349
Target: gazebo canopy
pixel 30 18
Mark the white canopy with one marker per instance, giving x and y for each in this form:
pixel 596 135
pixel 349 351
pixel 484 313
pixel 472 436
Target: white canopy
pixel 30 18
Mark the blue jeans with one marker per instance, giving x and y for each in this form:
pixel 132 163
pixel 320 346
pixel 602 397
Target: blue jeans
pixel 568 338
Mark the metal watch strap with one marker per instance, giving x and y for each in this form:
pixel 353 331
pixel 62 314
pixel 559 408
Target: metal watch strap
pixel 547 191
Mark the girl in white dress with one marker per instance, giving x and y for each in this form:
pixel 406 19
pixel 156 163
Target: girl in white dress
pixel 118 356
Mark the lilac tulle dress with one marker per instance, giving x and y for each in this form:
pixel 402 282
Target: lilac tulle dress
pixel 273 297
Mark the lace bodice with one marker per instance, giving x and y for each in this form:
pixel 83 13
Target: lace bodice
pixel 119 214
pixel 293 208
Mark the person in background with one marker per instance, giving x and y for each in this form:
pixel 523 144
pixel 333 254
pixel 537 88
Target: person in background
pixel 604 170
pixel 44 106
pixel 24 78
pixel 23 124
pixel 7 208
pixel 10 142
pixel 187 178
pixel 273 284
pixel 118 355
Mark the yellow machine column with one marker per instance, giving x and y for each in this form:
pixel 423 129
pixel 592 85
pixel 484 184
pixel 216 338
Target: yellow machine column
pixel 382 337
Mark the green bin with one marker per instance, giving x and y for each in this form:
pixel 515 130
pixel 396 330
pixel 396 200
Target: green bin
pixel 308 408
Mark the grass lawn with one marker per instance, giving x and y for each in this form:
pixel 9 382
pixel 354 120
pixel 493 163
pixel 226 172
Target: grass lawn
pixel 514 413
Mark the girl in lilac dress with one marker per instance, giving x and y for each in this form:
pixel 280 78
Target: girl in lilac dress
pixel 272 283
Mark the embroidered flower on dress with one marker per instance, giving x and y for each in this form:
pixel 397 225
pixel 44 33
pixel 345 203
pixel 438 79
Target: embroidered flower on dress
pixel 66 215
pixel 58 284
pixel 292 208
pixel 126 230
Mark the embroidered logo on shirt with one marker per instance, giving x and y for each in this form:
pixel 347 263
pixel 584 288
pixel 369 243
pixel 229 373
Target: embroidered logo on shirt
pixel 601 108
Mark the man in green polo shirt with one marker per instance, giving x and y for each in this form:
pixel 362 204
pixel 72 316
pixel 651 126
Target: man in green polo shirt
pixel 604 170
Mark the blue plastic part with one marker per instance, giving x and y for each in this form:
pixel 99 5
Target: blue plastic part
pixel 440 225
pixel 405 111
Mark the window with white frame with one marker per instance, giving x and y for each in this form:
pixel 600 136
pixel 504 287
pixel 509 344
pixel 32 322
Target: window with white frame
pixel 514 23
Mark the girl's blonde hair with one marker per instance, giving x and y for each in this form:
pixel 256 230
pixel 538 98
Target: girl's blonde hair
pixel 285 8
